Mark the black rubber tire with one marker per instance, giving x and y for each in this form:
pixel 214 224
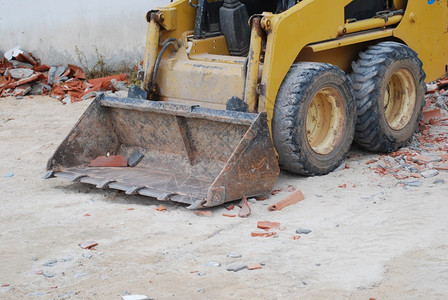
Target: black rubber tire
pixel 300 86
pixel 371 74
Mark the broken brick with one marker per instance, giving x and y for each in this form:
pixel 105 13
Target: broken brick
pixel 263 234
pixel 275 192
pixel 431 114
pixel 245 208
pixel 161 208
pixel 228 215
pixel 254 266
pixel 204 213
pixel 105 83
pixel 88 245
pixel 109 161
pixel 293 198
pixel 268 225
pixel 230 207
pixel 295 237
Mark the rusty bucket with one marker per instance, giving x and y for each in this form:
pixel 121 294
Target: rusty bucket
pixel 189 154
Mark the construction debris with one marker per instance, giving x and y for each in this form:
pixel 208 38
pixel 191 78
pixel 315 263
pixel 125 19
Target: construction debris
pixel 245 208
pixel 291 199
pixel 426 155
pixel 21 73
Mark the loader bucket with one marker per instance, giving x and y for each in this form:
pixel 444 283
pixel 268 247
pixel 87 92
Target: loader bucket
pixel 188 154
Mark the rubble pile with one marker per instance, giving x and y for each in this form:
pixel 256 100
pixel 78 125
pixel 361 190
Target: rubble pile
pixel 427 154
pixel 21 73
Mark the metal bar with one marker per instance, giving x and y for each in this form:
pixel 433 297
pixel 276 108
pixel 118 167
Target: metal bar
pixel 151 49
pixel 253 65
pixel 368 24
pixel 176 109
pixel 199 22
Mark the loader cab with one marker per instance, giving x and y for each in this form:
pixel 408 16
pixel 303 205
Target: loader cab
pixel 231 19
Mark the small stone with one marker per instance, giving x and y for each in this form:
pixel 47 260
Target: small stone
pixel 35 294
pixel 34 258
pixel 119 85
pixel 236 268
pixel 67 259
pixel 134 297
pixel 77 275
pixel 136 92
pixel 48 275
pixel 213 264
pixel 430 173
pixel 51 263
pixel 439 181
pixel 414 183
pixel 67 295
pixel 87 255
pixel 200 290
pixel 234 255
pixel 303 231
pixel 201 273
pixel 317 264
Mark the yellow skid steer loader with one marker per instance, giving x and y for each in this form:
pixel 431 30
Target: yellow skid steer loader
pixel 234 89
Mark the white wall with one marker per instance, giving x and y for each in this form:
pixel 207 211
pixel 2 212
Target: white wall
pixel 51 29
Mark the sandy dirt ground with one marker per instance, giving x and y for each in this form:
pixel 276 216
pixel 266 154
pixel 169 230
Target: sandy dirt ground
pixel 372 235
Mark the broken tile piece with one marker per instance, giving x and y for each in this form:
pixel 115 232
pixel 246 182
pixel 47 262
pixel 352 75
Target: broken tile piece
pixel 291 199
pixel 430 173
pixel 268 225
pixel 245 208
pixel 254 266
pixel 88 245
pixel 263 234
pixel 204 213
pixel 161 208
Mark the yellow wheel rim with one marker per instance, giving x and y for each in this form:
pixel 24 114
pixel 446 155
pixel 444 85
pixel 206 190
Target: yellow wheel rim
pixel 399 99
pixel 325 121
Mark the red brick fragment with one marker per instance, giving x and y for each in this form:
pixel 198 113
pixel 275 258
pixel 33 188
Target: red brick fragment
pixel 131 208
pixel 263 234
pixel 105 83
pixel 5 285
pixel 261 198
pixel 41 68
pixel 275 192
pixel 431 114
pixel 295 237
pixel 230 207
pixel 343 186
pixel 268 225
pixel 370 162
pixel 109 161
pixel 245 208
pixel 86 215
pixel 88 245
pixel 293 198
pixel 229 215
pixel 254 266
pixel 204 213
pixel 161 208
pixel 290 188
